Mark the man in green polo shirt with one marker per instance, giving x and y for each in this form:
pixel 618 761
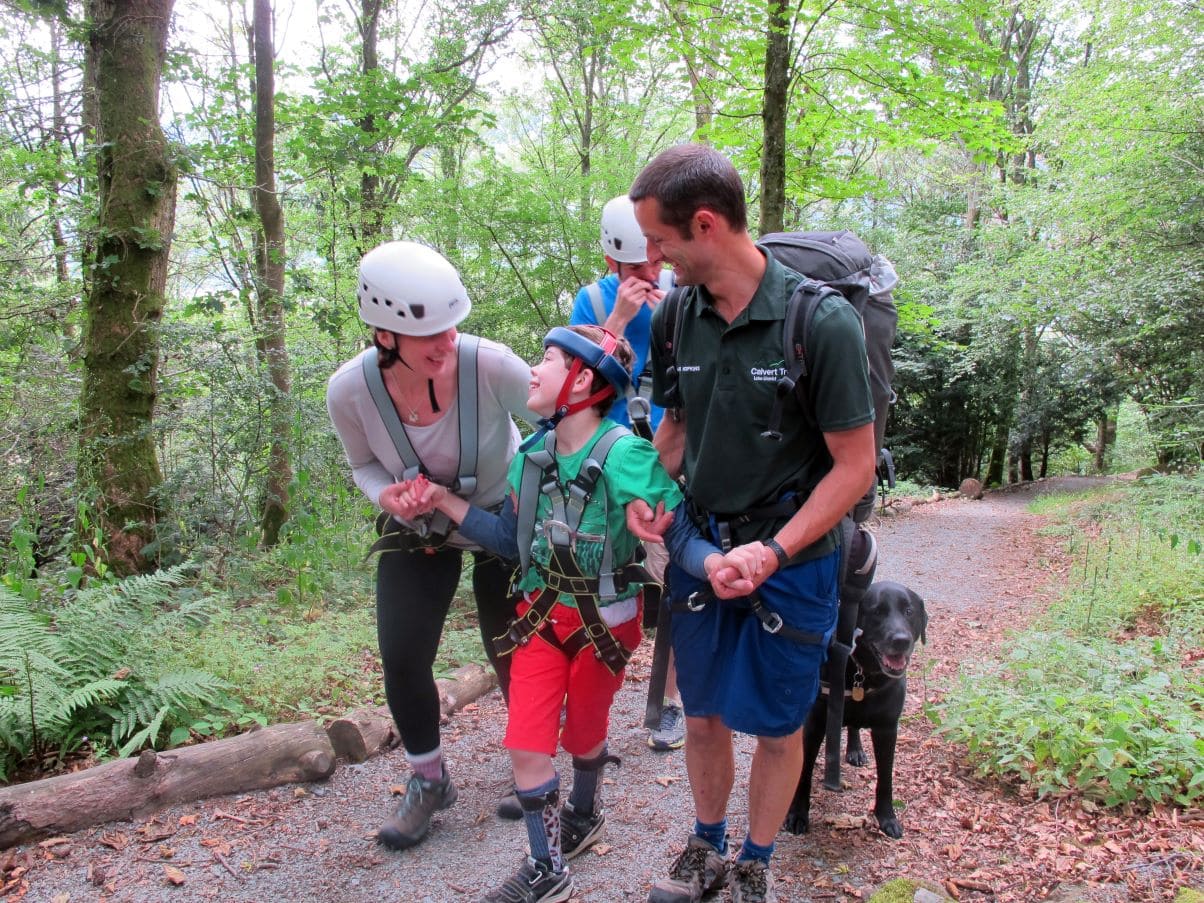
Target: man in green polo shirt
pixel 773 502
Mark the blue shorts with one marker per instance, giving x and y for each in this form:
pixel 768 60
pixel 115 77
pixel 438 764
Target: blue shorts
pixel 728 665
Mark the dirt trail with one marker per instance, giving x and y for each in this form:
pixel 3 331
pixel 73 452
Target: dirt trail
pixel 978 564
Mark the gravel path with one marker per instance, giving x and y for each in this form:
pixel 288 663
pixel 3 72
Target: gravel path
pixel 314 842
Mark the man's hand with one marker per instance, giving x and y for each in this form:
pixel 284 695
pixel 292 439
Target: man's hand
pixel 646 524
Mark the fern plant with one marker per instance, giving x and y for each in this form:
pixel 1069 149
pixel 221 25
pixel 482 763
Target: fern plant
pixel 89 668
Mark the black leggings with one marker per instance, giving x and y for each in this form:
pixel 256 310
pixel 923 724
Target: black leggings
pixel 414 591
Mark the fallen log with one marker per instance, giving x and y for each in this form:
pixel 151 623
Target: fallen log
pixel 130 788
pixel 363 733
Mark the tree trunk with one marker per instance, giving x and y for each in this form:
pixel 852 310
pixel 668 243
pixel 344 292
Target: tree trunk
pixel 372 214
pixel 1105 435
pixel 999 454
pixel 773 117
pixel 130 788
pixel 119 473
pixel 269 282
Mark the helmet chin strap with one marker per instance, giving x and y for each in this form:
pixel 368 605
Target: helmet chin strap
pixel 563 407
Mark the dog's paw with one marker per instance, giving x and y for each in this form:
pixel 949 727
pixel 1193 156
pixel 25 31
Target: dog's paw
pixel 891 827
pixel 797 822
pixel 857 757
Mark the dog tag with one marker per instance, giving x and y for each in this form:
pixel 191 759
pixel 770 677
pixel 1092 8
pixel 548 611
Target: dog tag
pixel 857 694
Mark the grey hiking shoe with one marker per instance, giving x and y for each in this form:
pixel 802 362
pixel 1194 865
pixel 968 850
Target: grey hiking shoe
pixel 534 882
pixel 699 870
pixel 671 734
pixel 579 832
pixel 410 822
pixel 751 882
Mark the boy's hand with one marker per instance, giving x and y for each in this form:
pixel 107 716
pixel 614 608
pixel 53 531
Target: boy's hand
pixel 741 570
pixel 648 525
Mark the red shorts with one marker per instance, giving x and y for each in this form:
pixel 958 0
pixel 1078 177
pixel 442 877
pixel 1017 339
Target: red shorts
pixel 543 681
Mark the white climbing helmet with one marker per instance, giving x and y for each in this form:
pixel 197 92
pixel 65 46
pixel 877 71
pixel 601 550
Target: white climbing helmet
pixel 622 238
pixel 411 289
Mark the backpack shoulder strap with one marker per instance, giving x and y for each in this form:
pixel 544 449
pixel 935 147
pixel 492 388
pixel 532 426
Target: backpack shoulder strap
pixel 674 304
pixel 388 415
pixel 796 328
pixel 467 392
pixel 594 292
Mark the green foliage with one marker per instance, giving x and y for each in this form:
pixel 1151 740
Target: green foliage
pixel 89 669
pixel 1114 723
pixel 1101 697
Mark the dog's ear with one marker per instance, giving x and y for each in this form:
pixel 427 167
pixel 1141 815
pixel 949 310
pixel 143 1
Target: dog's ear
pixel 917 604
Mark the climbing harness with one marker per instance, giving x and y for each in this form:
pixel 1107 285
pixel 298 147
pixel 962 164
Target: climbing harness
pixel 430 529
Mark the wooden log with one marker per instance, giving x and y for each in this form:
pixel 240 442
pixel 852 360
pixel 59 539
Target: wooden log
pixel 135 787
pixel 363 733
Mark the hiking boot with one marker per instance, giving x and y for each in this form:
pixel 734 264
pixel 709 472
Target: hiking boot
pixel 534 882
pixel 579 832
pixel 410 822
pixel 672 731
pixel 509 808
pixel 751 882
pixel 699 870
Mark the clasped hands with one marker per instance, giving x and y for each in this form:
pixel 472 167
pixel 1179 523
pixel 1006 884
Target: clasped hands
pixel 731 575
pixel 410 499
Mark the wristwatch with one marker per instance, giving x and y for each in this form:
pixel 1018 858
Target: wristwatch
pixel 774 546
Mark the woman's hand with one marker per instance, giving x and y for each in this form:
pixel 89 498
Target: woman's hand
pixel 410 499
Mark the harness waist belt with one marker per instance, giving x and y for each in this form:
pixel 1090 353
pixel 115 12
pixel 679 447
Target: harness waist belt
pixel 771 621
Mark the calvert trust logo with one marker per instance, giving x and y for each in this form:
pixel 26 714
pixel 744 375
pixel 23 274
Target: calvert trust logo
pixel 768 373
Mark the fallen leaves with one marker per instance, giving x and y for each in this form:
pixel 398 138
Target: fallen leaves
pixel 173 875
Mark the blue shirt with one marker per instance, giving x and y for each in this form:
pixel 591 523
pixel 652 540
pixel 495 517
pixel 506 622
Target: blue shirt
pixel 638 333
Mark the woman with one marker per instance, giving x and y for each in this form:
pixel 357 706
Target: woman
pixel 426 400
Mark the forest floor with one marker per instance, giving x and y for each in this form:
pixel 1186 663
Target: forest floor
pixel 984 568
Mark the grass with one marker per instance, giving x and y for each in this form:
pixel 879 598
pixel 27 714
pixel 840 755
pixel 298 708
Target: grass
pixel 1102 697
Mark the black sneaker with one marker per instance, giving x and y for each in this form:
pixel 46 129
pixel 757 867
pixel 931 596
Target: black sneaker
pixel 751 882
pixel 579 832
pixel 700 869
pixel 534 882
pixel 509 808
pixel 409 824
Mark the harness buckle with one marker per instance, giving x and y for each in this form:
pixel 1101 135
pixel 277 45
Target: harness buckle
pixel 696 601
pixel 596 630
pixel 724 529
pixel 772 622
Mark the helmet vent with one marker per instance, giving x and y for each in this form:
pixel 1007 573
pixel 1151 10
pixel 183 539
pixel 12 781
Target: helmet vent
pixel 418 310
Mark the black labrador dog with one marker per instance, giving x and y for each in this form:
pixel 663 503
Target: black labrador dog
pixel 891 618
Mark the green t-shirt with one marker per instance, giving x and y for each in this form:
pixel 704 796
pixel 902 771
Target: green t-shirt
pixel 727 377
pixel 632 471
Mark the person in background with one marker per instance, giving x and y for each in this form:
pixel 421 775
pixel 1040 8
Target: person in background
pixel 622 302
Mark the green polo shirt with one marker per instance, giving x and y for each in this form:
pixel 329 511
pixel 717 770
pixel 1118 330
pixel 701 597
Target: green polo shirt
pixel 726 378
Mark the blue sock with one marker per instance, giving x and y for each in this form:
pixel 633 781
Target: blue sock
pixel 750 851
pixel 542 818
pixel 715 835
pixel 584 795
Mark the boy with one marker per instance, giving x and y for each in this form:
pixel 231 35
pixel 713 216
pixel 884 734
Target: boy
pixel 578 614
